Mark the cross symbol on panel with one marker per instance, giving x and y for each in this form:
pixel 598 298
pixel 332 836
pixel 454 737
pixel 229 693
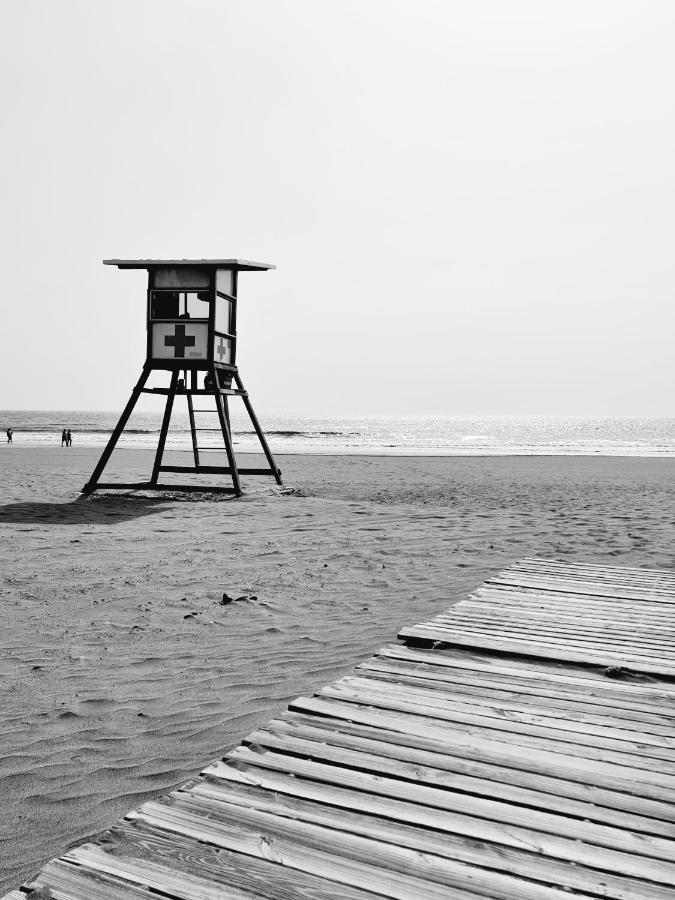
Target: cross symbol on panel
pixel 179 341
pixel 221 349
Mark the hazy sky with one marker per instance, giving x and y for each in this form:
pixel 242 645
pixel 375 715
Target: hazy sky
pixel 471 204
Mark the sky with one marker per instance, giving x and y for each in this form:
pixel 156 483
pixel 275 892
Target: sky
pixel 471 205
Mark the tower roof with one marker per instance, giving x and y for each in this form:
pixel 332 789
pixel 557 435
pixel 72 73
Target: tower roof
pixel 241 265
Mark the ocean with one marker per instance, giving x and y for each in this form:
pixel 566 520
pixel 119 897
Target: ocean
pixel 402 435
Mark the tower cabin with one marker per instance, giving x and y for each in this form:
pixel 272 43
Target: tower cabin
pixel 191 334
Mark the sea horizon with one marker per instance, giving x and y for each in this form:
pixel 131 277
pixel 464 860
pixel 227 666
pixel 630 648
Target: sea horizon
pixel 443 435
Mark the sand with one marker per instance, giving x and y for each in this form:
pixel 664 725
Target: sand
pixel 121 674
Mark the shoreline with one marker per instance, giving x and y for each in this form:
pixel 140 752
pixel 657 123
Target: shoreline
pixel 364 451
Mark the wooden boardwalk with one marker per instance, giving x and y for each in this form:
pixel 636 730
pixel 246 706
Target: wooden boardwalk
pixel 518 746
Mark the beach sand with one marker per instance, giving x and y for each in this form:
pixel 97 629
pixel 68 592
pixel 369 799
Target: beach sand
pixel 121 675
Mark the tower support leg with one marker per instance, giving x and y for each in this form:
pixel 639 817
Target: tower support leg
pixel 276 471
pixel 193 429
pixel 165 427
pixel 226 408
pixel 225 428
pixel 90 486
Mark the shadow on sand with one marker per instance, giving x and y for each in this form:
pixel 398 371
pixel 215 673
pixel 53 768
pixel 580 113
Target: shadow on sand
pixel 83 511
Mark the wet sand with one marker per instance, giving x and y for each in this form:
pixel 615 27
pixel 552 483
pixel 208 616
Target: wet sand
pixel 121 674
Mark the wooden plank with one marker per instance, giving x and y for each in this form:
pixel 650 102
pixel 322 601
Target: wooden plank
pixel 484 696
pixel 576 584
pixel 148 486
pixel 214 470
pixel 564 676
pixel 164 429
pixel 264 878
pixel 169 882
pixel 193 427
pixel 540 613
pixel 476 749
pixel 543 648
pixel 619 611
pixel 433 634
pixel 65 881
pixel 396 822
pixel 585 592
pixel 542 695
pixel 622 617
pixel 365 847
pixel 373 757
pixel 640 646
pixel 521 601
pixel 597 570
pixel 499 774
pixel 596 855
pixel 596 567
pixel 572 720
pixel 555 633
pixel 550 635
pixel 573 625
pixel 586 588
pixel 514 729
pixel 561 601
pixel 571 759
pixel 511 643
pixel 555 589
pixel 518 610
pixel 474 816
pixel 329 855
pixel 587 575
pixel 223 418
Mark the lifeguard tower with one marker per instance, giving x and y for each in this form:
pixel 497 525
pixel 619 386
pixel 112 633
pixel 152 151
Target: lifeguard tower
pixel 192 334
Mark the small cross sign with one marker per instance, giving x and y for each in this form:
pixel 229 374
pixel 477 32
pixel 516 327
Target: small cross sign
pixel 221 349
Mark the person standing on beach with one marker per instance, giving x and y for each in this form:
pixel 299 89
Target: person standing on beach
pixel 10 432
pixel 69 439
pixel 64 438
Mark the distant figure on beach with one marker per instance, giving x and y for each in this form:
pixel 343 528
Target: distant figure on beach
pixel 69 439
pixel 10 432
pixel 64 438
